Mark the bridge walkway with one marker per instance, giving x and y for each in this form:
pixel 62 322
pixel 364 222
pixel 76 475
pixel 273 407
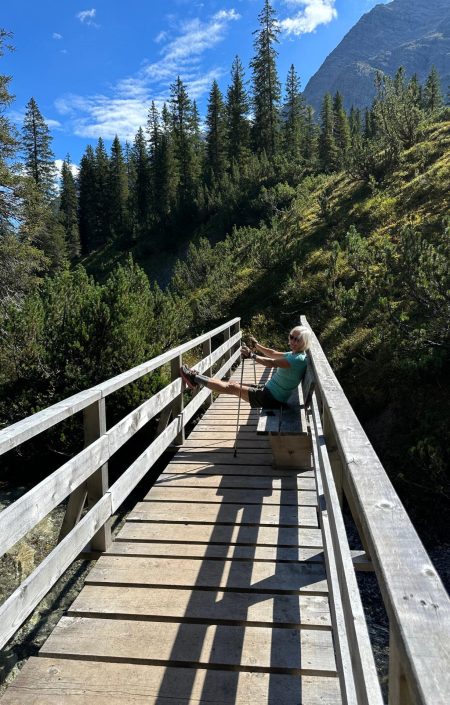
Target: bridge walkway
pixel 213 592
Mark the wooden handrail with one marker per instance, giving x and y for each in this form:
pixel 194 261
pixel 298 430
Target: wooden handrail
pixel 415 599
pixel 21 516
pixel 21 431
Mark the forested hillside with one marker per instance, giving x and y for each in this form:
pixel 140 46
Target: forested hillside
pixel 344 219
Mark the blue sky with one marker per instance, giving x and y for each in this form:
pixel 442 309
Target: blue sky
pixel 94 67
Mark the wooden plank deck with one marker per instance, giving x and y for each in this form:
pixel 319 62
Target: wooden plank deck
pixel 214 591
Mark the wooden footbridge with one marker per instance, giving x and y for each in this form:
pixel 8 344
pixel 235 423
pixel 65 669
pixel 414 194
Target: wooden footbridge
pixel 232 581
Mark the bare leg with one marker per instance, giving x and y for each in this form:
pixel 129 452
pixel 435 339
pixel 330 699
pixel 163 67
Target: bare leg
pixel 216 385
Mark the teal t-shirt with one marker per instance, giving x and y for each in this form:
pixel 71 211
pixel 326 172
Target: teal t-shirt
pixel 286 379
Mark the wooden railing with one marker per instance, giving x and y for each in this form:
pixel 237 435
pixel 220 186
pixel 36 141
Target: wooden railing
pixel 86 474
pixel 415 599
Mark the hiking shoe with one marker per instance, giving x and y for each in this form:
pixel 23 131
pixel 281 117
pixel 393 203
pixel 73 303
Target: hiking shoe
pixel 188 377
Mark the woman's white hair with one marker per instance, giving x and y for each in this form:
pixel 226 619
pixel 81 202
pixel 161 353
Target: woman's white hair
pixel 304 334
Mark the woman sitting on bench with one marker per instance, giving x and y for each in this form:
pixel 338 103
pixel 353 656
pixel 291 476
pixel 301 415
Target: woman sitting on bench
pixel 290 366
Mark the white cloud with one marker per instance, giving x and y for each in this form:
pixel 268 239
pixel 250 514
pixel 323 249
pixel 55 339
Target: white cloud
pixel 125 110
pixel 53 124
pixel 161 37
pixel 56 35
pixel 87 17
pixel 312 14
pixel 195 38
pixel 74 168
pixel 198 86
pixel 102 116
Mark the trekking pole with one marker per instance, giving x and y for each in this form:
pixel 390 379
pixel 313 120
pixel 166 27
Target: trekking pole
pixel 239 406
pixel 254 363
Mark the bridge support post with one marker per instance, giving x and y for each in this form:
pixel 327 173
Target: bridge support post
pixel 206 350
pixel 97 484
pixel 333 455
pixel 398 690
pixel 94 420
pixel 178 402
pixel 226 337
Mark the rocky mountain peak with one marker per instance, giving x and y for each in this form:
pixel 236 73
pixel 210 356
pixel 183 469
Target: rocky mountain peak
pixel 410 33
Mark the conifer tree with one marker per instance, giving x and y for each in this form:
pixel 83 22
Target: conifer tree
pixel 8 145
pixel 341 130
pixel 39 224
pixel 293 116
pixel 183 125
pixel 355 123
pixel 197 142
pixel 117 191
pixel 139 191
pixel 68 210
pixel 310 140
pixel 237 108
pixel 266 86
pixel 39 158
pixel 102 202
pixel 166 170
pixel 369 122
pixel 397 110
pixel 153 130
pixel 154 141
pixel 216 136
pixel 415 90
pixel 87 213
pixel 328 151
pixel 432 94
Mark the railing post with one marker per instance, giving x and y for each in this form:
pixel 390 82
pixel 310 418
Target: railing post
pixel 178 402
pixel 206 350
pixel 226 337
pixel 97 483
pixel 94 422
pixel 398 690
pixel 237 328
pixel 333 455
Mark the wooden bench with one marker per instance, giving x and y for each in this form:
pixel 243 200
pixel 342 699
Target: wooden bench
pixel 288 430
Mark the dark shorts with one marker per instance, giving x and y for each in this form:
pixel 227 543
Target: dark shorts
pixel 260 397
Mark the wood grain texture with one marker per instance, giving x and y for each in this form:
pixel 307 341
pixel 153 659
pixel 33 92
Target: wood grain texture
pixel 301 651
pixel 21 516
pixel 221 534
pixel 184 464
pixel 255 482
pixel 202 513
pixel 232 496
pixel 157 604
pixel 24 599
pixel 292 554
pixel 359 676
pixel 414 596
pixel 55 681
pixel 262 577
